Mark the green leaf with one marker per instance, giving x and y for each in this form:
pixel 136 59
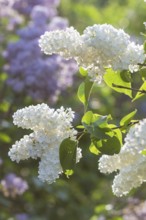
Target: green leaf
pixel 69 172
pixel 142 72
pixel 93 149
pixel 3 76
pixel 97 143
pixel 100 120
pixel 80 126
pixel 4 106
pixel 143 152
pixel 87 118
pixel 95 131
pixel 100 209
pixel 5 138
pixel 117 132
pixel 84 91
pixel 83 71
pixel 111 146
pixel 125 76
pixel 88 86
pixel 67 153
pixel 140 94
pixel 100 133
pixel 116 80
pixel 127 119
pixel 97 125
pixel 81 93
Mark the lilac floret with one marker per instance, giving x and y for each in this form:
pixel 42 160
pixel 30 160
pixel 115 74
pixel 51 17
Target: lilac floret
pixel 13 185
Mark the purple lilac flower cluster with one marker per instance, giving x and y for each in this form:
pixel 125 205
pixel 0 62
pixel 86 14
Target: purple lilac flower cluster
pixel 25 7
pixel 12 185
pixel 30 71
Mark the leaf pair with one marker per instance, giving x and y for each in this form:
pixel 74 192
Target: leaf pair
pixel 121 82
pixel 103 138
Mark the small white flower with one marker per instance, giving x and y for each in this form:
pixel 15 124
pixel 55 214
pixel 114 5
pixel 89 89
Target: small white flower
pixel 130 162
pixel 50 127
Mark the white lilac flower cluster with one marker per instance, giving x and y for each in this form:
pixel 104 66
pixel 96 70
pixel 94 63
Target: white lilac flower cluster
pixel 50 127
pixel 98 48
pixel 130 162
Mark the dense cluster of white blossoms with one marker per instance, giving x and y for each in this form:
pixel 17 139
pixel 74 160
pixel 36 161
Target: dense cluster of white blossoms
pixel 98 48
pixel 130 162
pixel 50 127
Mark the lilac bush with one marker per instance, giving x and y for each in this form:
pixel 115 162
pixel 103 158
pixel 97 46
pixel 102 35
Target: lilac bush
pixel 29 71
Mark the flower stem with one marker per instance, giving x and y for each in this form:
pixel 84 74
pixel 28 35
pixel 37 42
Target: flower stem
pixel 133 89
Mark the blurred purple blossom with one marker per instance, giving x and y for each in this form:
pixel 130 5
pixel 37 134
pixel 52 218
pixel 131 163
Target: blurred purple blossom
pixel 13 185
pixel 6 7
pixel 22 216
pixel 135 210
pixel 7 11
pixel 57 23
pixel 26 7
pixel 39 76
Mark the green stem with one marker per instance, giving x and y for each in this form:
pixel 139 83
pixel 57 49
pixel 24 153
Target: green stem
pixel 82 134
pixel 129 124
pixel 124 87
